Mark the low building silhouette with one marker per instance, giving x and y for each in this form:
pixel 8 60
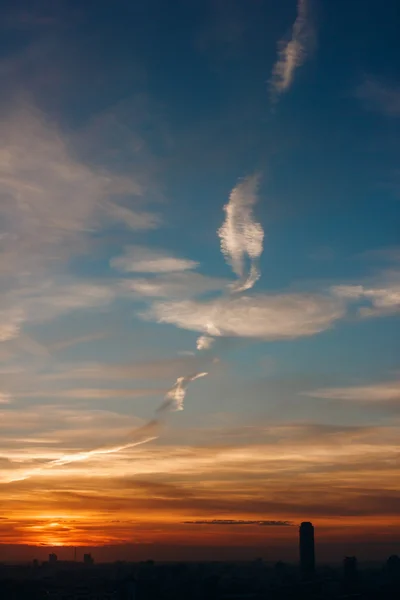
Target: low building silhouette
pixel 88 559
pixel 350 570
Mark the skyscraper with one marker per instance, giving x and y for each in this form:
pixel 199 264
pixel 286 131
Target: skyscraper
pixel 307 552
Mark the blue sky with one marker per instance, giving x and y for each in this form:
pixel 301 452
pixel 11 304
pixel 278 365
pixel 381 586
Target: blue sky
pixel 126 128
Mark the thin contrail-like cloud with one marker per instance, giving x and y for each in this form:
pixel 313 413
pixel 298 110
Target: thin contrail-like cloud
pixel 173 400
pixel 292 53
pixel 240 235
pixel 139 436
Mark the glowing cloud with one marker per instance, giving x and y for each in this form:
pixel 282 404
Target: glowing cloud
pixel 241 236
pixel 142 435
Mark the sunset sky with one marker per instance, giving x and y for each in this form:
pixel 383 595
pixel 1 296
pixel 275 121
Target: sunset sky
pixel 199 196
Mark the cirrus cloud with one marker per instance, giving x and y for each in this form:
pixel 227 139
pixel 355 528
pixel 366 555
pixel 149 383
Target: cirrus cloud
pixel 292 53
pixel 380 97
pixel 386 391
pixel 173 285
pixel 49 199
pixel 140 259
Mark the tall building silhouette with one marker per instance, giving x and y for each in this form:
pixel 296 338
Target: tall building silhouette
pixel 307 551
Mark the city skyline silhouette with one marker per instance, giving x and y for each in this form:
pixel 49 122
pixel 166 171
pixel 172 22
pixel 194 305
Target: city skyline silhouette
pixel 200 294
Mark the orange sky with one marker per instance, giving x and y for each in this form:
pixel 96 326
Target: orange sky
pixel 343 479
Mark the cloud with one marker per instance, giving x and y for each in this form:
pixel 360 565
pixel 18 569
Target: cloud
pixel 10 324
pixel 379 392
pixel 257 480
pixel 140 259
pixel 387 254
pixel 136 220
pixel 176 395
pixel 242 237
pixel 204 342
pixel 241 522
pixel 5 398
pixel 378 97
pixel 45 299
pixel 292 53
pixel 173 285
pixel 48 198
pixel 164 368
pixel 383 300
pixel 51 203
pixel 69 427
pixel 74 341
pixel 92 393
pixel 53 298
pixel 261 316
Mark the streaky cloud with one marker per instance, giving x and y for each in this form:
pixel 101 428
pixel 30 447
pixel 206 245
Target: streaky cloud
pixel 386 391
pixel 292 53
pixel 142 435
pixel 380 97
pixel 140 259
pixel 241 522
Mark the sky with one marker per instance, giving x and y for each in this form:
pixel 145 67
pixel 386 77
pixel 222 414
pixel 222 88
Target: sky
pixel 200 277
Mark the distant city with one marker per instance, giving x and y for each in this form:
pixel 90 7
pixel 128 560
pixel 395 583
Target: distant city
pixel 214 580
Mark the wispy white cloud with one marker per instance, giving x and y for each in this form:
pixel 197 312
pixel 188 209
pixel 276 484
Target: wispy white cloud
pixel 261 316
pixel 140 259
pixel 168 368
pixel 137 220
pixel 48 198
pixel 383 300
pixel 66 423
pixel 378 392
pixel 379 97
pixel 174 285
pixel 241 236
pixel 292 53
pixel 50 204
pixel 47 299
pixel 92 393
pixel 74 341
